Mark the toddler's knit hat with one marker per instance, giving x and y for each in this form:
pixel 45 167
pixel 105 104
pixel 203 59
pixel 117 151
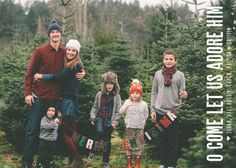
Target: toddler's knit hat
pixel 136 86
pixel 74 44
pixel 54 26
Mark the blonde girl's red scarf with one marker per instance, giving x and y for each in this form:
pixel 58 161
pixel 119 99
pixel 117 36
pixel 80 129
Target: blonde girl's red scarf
pixel 168 72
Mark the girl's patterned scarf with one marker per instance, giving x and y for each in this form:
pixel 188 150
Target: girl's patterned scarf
pixel 168 72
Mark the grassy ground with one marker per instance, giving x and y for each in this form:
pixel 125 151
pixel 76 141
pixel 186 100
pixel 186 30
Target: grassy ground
pixel 118 157
pixel 10 159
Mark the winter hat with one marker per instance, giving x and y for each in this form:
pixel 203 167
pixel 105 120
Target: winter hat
pixel 110 77
pixel 54 105
pixel 74 44
pixel 54 26
pixel 136 86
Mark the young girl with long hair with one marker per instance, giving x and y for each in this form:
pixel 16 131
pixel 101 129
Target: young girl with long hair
pixel 136 114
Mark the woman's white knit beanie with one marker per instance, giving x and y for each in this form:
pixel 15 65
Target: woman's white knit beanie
pixel 74 44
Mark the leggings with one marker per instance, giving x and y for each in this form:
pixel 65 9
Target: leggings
pixel 68 127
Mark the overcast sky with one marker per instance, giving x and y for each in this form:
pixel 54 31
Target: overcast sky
pixel 155 2
pixel 142 2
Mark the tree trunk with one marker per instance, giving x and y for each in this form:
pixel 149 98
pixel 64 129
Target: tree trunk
pixel 75 6
pixel 85 24
pixel 39 25
pixel 80 22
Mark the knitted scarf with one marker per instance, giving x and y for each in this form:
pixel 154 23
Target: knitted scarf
pixel 168 72
pixel 105 111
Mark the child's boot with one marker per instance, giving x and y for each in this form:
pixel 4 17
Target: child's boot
pixel 106 165
pixel 90 158
pixel 39 165
pixel 129 161
pixel 137 161
pixel 51 164
pixel 77 162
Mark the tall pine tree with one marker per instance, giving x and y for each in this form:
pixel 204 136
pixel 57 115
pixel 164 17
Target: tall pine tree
pixel 122 63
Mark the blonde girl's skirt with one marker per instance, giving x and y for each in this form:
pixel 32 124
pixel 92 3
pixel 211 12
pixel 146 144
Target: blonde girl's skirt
pixel 134 139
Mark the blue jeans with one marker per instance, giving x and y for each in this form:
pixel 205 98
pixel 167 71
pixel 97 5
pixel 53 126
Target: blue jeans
pixel 68 107
pixel 36 112
pixel 104 133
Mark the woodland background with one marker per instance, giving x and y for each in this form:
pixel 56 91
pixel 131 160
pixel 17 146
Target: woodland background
pixel 123 38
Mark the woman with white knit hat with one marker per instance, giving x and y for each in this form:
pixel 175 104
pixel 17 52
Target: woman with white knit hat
pixel 70 92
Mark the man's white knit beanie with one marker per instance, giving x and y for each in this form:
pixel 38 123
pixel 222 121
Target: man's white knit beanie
pixel 74 44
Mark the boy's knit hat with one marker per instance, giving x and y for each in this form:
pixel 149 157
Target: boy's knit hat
pixel 110 77
pixel 74 44
pixel 54 26
pixel 136 86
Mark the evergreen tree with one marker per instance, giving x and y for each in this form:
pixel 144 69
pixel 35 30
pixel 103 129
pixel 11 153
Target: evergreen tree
pixel 11 17
pixel 38 10
pixel 89 86
pixel 122 63
pixel 195 154
pixel 189 44
pixel 13 115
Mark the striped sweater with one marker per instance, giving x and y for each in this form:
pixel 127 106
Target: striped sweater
pixel 48 130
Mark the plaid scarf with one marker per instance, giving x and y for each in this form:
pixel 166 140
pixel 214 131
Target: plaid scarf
pixel 105 111
pixel 168 72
